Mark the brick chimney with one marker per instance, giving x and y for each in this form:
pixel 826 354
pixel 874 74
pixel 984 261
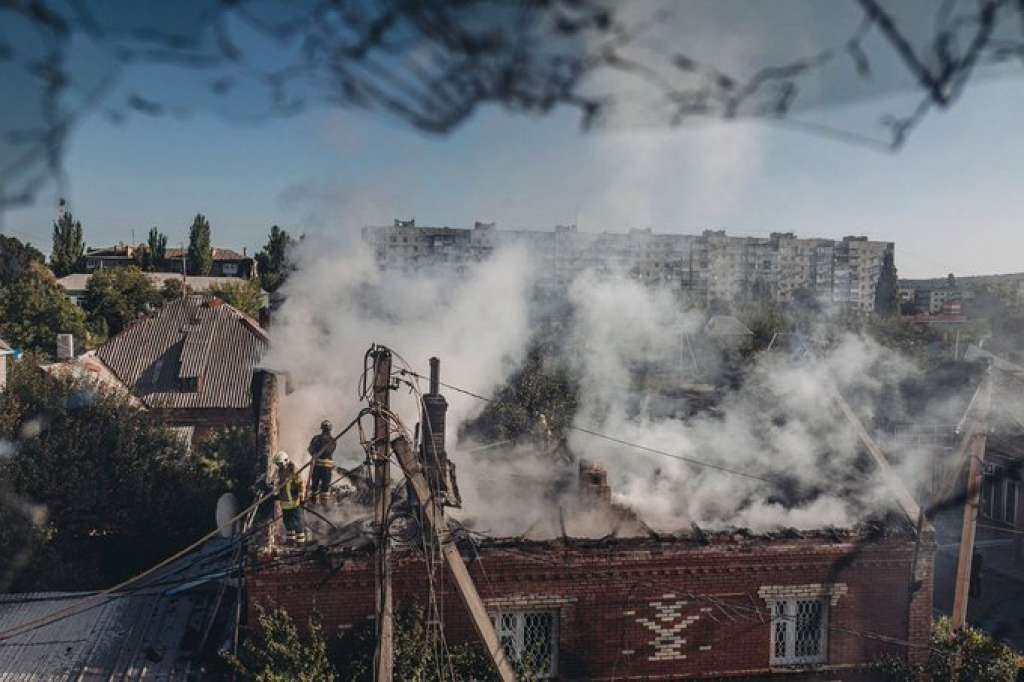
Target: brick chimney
pixel 593 488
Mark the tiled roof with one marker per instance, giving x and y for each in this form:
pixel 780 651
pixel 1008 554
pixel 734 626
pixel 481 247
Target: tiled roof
pixel 190 354
pixel 218 254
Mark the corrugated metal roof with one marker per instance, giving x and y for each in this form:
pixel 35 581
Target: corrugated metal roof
pixel 186 339
pixel 146 634
pixel 125 638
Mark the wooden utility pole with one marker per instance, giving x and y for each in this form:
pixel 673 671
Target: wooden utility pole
pixel 383 655
pixel 976 453
pixel 434 517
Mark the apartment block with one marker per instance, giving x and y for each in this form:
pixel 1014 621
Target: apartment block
pixel 711 266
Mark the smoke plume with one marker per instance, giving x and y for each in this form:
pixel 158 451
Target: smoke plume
pixel 794 460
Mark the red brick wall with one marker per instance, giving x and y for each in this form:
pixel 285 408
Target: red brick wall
pixel 606 593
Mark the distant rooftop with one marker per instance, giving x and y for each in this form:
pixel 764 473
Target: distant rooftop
pixel 79 281
pixel 128 251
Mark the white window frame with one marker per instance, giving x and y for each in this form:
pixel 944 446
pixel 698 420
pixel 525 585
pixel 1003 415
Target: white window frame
pixel 784 618
pixel 516 634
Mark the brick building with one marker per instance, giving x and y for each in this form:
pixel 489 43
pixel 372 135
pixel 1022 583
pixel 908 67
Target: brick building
pixel 821 605
pixel 818 605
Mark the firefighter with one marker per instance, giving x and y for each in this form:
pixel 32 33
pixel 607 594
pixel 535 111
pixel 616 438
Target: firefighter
pixel 321 449
pixel 289 494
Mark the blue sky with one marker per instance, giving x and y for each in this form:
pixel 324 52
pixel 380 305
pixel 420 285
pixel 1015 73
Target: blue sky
pixel 950 199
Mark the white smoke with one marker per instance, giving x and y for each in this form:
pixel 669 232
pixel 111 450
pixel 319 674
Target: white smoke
pixel 781 425
pixel 338 303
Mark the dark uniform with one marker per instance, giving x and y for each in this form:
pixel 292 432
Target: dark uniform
pixel 290 497
pixel 322 449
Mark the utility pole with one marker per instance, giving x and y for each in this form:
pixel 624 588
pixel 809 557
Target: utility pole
pixel 976 453
pixel 383 663
pixel 434 516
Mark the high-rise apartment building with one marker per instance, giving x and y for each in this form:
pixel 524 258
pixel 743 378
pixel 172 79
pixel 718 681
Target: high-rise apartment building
pixel 707 267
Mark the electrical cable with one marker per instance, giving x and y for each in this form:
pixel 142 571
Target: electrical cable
pixel 619 441
pixel 72 610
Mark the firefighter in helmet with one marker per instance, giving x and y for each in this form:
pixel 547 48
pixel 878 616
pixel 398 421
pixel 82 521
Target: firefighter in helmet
pixel 289 494
pixel 321 449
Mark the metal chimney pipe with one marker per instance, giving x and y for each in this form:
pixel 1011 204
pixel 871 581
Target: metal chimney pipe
pixel 435 376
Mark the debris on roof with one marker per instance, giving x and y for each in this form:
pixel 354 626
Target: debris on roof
pixel 726 326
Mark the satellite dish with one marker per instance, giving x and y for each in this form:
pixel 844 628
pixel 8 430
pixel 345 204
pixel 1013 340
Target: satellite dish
pixel 227 509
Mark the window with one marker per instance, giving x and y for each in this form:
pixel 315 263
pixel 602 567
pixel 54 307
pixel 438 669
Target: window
pixel 799 631
pixel 229 268
pixel 999 495
pixel 530 639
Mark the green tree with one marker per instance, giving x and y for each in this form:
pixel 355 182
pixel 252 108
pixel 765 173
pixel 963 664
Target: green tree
pixel 118 296
pixel 34 309
pixel 273 260
pixel 958 656
pixel 118 490
pixel 16 258
pixel 156 249
pixel 278 654
pixel 68 243
pixel 174 289
pixel 541 387
pixel 244 295
pixel 200 253
pixel 227 456
pixel 887 289
pixel 416 658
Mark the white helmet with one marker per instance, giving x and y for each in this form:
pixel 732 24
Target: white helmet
pixel 281 458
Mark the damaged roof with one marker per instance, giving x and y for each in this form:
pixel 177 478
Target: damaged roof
pixel 192 353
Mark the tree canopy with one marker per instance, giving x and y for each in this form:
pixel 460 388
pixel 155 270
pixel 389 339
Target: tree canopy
pixel 156 249
pixel 68 243
pixel 15 258
pixel 200 253
pixel 887 290
pixel 245 295
pixel 273 260
pixel 34 309
pixel 116 297
pixel 97 489
pixel 174 289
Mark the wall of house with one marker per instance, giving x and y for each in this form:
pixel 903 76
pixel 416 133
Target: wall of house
pixel 653 610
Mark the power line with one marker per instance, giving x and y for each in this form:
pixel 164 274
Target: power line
pixel 98 598
pixel 613 439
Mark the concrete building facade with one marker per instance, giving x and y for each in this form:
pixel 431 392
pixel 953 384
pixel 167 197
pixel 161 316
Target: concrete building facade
pixel 712 266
